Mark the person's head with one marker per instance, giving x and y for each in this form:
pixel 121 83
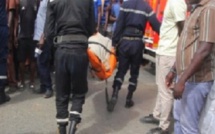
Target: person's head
pixel 193 1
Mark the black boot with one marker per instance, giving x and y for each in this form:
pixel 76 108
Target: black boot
pixel 150 119
pixel 62 129
pixel 158 130
pixel 129 102
pixel 4 98
pixel 73 127
pixel 113 100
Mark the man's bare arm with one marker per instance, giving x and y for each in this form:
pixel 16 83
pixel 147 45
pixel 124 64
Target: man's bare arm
pixel 180 26
pixel 204 50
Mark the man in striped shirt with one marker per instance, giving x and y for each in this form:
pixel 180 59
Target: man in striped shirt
pixel 195 64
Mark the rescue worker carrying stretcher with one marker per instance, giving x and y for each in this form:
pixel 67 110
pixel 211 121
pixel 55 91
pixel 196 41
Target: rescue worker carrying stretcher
pixel 127 38
pixel 74 23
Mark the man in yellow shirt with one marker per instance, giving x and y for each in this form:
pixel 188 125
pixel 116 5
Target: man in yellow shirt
pixel 172 25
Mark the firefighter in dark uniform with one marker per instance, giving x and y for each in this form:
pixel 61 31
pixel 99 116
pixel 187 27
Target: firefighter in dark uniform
pixel 74 23
pixel 4 33
pixel 127 38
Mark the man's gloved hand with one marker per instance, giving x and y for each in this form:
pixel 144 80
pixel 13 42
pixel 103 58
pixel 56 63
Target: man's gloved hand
pixel 37 52
pixel 116 51
pixel 39 47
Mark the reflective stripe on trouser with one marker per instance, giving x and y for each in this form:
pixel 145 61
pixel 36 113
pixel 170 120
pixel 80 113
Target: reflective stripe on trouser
pixel 187 111
pixel 130 56
pixel 3 58
pixel 164 100
pixel 71 78
pixel 3 73
pixel 207 121
pixel 76 109
pixel 3 77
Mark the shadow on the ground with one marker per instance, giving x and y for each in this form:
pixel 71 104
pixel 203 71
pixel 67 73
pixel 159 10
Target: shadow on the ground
pixel 26 94
pixel 150 68
pixel 105 122
pixel 56 132
pixel 20 96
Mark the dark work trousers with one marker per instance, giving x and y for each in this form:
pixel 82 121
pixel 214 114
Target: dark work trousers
pixel 43 63
pixel 3 60
pixel 129 56
pixel 71 78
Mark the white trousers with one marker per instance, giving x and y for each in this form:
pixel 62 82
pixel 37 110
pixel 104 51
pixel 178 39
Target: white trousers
pixel 164 102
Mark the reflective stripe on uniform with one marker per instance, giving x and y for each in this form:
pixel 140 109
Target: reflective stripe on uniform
pixel 63 120
pixel 132 38
pixel 136 11
pixel 80 95
pixel 131 83
pixel 75 113
pixel 3 77
pixel 119 79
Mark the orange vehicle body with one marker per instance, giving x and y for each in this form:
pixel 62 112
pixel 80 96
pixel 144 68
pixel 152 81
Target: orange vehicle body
pixel 152 37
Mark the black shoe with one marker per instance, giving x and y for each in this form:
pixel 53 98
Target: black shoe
pixel 111 104
pixel 73 127
pixel 113 101
pixel 62 130
pixel 4 99
pixel 21 86
pixel 157 130
pixel 150 119
pixel 48 94
pixel 129 104
pixel 32 86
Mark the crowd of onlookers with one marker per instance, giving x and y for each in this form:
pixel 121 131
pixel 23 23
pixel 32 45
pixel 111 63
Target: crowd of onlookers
pixel 24 20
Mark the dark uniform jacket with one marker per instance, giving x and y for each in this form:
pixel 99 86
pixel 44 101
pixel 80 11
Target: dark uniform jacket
pixel 70 17
pixel 134 14
pixel 3 34
pixel 3 13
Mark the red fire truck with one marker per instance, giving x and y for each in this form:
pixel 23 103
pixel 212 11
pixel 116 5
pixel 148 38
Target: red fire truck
pixel 151 38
